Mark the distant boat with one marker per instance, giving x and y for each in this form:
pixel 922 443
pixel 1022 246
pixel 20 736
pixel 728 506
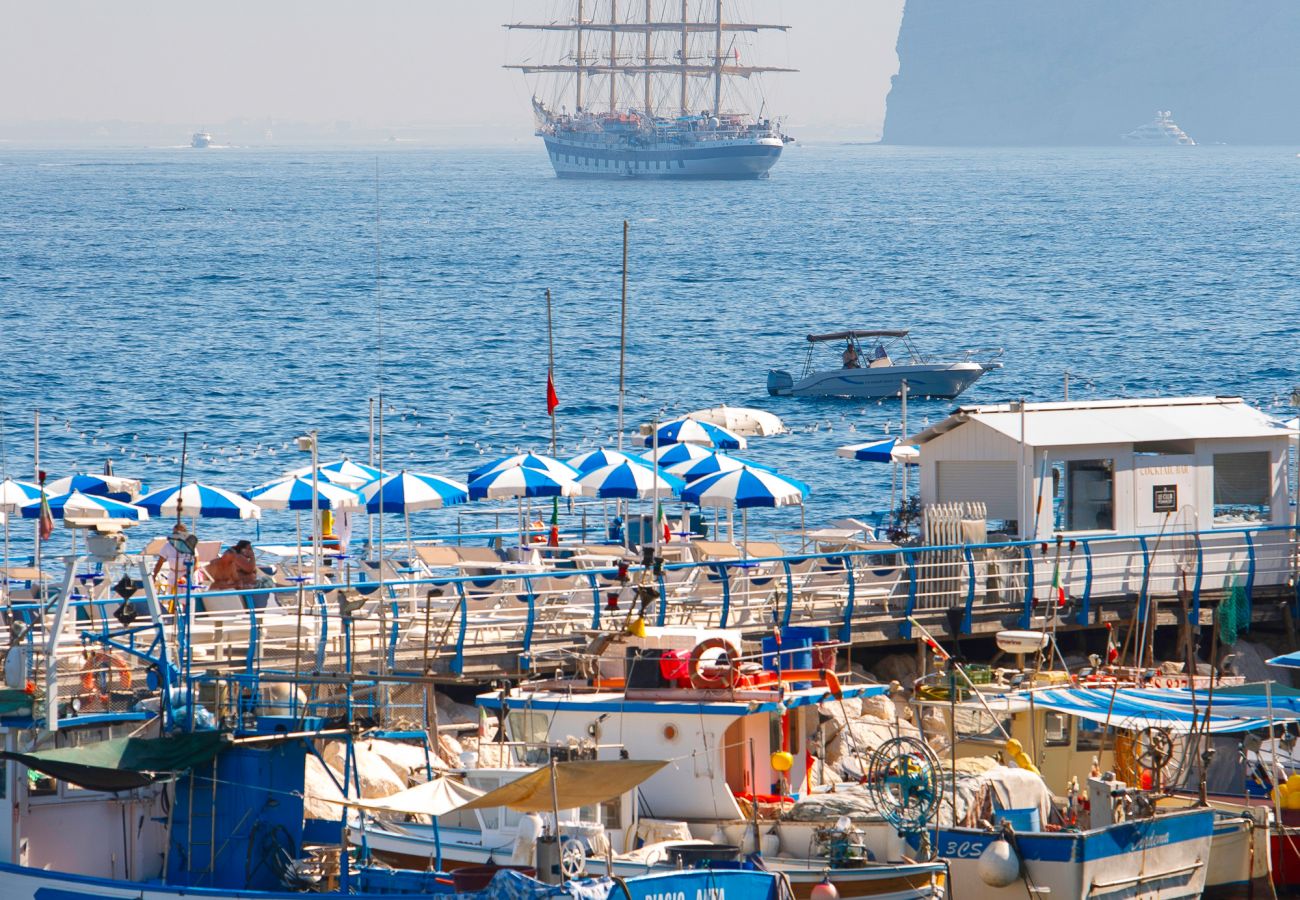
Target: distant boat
pixel 201 139
pixel 1160 131
pixel 878 370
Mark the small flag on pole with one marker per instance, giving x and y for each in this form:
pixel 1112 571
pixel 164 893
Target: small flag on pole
pixel 554 539
pixel 1057 587
pixel 663 523
pixel 552 399
pixel 45 525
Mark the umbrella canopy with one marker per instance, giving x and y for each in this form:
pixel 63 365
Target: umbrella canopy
pixel 599 459
pixel 630 481
pixel 411 491
pixel 547 464
pixel 14 495
pixel 343 472
pixel 671 454
pixel 745 488
pixel 295 493
pixel 689 431
pixel 518 481
pixel 113 487
pixel 741 419
pixel 77 505
pixel 712 464
pixel 569 785
pixel 200 500
pixel 888 450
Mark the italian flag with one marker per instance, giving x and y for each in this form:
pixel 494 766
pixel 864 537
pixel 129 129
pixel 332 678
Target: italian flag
pixel 45 524
pixel 1057 587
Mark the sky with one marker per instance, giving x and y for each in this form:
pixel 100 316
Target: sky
pixel 431 66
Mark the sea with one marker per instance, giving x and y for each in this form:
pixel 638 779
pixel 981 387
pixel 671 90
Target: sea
pixel 232 299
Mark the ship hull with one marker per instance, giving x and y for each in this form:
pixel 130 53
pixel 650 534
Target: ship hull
pixel 737 159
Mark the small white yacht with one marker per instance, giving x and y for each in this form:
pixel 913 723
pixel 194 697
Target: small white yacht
pixel 878 368
pixel 1160 131
pixel 200 139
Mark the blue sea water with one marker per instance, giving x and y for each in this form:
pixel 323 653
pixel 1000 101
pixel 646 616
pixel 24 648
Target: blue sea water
pixel 232 294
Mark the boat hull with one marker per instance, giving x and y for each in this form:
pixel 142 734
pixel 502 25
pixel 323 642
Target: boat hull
pixel 723 159
pixel 940 380
pixel 1165 858
pixel 413 848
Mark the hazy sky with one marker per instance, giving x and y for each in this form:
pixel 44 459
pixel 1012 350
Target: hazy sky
pixel 376 64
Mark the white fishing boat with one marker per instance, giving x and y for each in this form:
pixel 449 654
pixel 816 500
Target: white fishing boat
pixel 731 734
pixel 876 364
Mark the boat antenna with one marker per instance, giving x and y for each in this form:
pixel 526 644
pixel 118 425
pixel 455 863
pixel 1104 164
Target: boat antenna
pixel 622 341
pixel 379 366
pixel 180 489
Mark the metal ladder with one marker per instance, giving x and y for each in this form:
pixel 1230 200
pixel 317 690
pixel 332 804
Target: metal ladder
pixel 211 843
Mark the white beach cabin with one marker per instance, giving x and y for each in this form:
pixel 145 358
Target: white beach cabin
pixel 1133 469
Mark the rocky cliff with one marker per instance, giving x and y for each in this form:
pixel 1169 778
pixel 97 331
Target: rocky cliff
pixel 1078 72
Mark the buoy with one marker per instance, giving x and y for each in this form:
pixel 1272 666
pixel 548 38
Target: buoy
pixel 998 865
pixel 771 844
pixel 637 628
pixel 824 890
pixel 782 761
pixel 1018 755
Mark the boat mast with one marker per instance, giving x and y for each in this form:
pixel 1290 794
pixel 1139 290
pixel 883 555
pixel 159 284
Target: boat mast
pixel 578 70
pixel 717 65
pixel 622 340
pixel 684 58
pixel 613 56
pixel 649 57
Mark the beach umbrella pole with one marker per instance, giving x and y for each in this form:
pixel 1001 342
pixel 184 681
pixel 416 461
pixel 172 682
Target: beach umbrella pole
pixel 4 589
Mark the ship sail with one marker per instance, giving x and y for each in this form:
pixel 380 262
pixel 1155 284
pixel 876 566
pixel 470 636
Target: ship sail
pixel 646 79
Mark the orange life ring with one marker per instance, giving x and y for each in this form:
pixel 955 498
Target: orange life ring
pixel 99 671
pixel 711 676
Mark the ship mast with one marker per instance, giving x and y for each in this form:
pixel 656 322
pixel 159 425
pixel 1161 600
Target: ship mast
pixel 649 51
pixel 647 65
pixel 717 63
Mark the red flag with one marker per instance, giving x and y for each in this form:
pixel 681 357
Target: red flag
pixel 46 521
pixel 552 399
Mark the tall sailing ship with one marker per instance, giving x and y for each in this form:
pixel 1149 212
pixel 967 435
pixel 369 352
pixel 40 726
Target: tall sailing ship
pixel 648 91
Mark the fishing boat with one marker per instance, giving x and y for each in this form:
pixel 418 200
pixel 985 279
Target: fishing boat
pixel 875 364
pixel 648 97
pixel 730 733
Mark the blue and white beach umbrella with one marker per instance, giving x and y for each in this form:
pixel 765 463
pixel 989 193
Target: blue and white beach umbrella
pixel 113 487
pixel 519 481
pixel 296 493
pixel 693 469
pixel 344 472
pixel 745 488
pixel 76 505
pixel 599 459
pixel 671 454
pixel 630 481
pixel 199 501
pixel 888 450
pixel 411 491
pixel 14 495
pixel 551 466
pixel 690 431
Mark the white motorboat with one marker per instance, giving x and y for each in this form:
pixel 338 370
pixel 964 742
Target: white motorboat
pixel 876 364
pixel 200 139
pixel 1161 131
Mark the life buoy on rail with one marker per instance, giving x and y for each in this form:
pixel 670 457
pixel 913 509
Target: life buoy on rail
pixel 709 675
pixel 101 672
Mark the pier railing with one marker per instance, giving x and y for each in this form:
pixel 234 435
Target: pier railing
pixel 518 621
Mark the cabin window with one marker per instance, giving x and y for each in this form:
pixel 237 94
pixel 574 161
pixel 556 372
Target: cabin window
pixel 1056 729
pixel 1088 502
pixel 1242 487
pixel 975 724
pixel 1087 736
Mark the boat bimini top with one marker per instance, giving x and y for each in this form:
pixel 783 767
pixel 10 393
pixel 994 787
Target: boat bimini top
pixel 856 333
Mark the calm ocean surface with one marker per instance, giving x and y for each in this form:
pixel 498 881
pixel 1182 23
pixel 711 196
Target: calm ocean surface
pixel 231 293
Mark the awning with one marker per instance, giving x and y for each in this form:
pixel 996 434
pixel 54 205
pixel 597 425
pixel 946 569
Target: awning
pixel 433 798
pixel 121 764
pixel 577 784
pixel 1177 710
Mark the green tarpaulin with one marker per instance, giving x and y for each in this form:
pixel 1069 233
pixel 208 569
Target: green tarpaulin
pixel 124 763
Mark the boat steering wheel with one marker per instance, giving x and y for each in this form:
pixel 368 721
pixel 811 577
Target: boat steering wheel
pixel 1153 748
pixel 573 858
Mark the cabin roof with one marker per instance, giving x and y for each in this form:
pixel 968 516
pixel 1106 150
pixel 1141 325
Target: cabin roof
pixel 856 333
pixel 1123 421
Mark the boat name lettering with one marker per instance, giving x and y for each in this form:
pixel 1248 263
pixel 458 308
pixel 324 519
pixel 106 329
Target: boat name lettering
pixel 714 893
pixel 963 849
pixel 1151 840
